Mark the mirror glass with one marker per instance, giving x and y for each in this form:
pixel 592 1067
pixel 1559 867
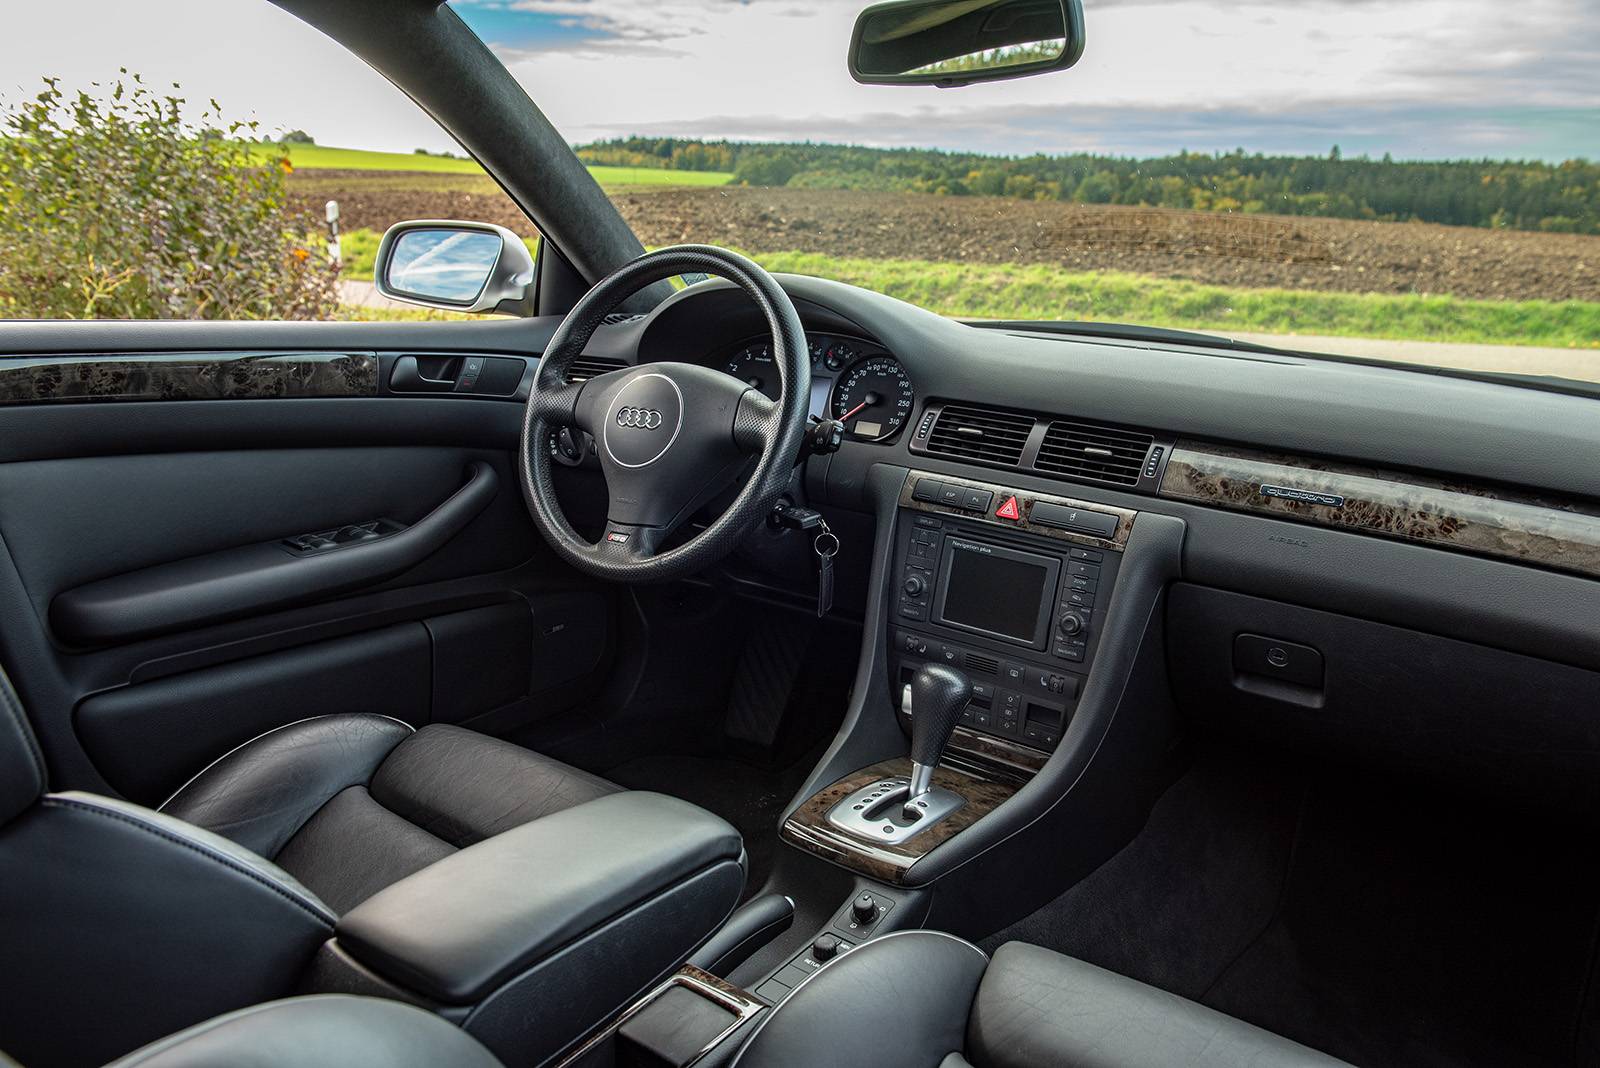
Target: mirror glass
pixel 930 39
pixel 445 265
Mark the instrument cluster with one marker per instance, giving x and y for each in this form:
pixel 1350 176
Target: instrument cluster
pixel 854 381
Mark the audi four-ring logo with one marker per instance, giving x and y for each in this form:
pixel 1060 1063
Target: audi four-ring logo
pixel 639 418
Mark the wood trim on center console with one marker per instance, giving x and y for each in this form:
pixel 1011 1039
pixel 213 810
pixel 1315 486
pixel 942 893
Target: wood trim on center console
pixel 809 829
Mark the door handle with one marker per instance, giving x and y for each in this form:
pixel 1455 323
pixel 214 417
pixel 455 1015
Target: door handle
pixel 409 376
pixel 436 374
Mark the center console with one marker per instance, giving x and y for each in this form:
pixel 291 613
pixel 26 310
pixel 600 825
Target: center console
pixel 974 731
pixel 1012 588
pixel 996 602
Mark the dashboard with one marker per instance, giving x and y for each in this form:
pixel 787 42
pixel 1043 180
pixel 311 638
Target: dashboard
pixel 1167 426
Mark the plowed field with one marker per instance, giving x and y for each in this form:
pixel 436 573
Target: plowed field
pixel 1255 251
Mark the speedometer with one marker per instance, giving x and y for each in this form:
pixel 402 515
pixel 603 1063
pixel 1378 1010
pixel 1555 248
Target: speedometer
pixel 873 398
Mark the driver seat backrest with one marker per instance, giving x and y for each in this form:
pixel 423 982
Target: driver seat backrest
pixel 22 776
pixel 121 925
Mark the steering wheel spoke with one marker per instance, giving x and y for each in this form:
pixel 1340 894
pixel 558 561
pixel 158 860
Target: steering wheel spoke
pixel 755 422
pixel 558 404
pixel 630 543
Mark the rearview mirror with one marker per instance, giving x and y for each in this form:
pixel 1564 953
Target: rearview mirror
pixel 957 42
pixel 457 266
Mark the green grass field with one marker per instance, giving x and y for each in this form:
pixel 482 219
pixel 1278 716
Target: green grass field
pixel 1034 291
pixel 324 157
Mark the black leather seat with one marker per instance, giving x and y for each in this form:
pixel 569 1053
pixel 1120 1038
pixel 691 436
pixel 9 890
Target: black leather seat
pixel 921 999
pixel 349 804
pixel 121 923
pixel 326 1031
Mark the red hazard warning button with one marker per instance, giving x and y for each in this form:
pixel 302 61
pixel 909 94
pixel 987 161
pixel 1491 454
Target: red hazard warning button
pixel 1008 510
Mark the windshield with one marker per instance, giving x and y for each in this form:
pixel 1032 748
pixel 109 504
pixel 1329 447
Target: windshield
pixel 1406 182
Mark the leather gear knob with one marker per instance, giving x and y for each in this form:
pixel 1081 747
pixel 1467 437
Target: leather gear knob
pixel 939 695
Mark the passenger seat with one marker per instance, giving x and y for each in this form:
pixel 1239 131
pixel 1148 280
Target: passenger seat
pixel 922 999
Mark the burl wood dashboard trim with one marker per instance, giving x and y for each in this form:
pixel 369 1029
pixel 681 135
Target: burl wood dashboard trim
pixel 810 830
pixel 1452 515
pixel 186 376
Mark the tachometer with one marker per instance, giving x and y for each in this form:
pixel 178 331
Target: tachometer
pixel 873 398
pixel 753 365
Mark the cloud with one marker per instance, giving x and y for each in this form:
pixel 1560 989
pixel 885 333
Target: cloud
pixel 1420 78
pixel 1423 79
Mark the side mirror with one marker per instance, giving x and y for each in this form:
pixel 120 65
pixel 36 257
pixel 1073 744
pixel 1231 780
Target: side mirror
pixel 457 266
pixel 958 42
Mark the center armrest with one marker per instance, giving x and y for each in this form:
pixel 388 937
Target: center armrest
pixel 462 927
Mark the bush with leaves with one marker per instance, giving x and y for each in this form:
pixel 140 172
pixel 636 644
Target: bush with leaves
pixel 112 205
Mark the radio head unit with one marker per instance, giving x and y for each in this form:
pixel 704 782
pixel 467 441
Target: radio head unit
pixel 999 592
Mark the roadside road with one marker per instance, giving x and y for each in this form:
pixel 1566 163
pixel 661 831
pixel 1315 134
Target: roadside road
pixel 1515 359
pixel 365 295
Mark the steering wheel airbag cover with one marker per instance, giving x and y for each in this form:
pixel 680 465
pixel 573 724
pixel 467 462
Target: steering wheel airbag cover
pixel 643 421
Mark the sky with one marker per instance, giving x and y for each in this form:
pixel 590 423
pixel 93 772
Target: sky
pixel 1414 78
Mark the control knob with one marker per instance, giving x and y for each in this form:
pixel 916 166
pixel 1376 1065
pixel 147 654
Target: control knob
pixel 1070 624
pixel 913 586
pixel 864 908
pixel 825 948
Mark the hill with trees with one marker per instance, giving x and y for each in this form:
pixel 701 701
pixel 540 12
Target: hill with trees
pixel 1524 195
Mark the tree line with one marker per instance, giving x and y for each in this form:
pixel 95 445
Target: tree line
pixel 1525 195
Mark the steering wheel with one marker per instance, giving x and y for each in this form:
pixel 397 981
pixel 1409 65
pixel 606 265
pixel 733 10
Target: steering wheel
pixel 670 436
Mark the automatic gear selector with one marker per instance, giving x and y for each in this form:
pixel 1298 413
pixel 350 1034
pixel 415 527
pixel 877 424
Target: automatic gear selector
pixel 893 810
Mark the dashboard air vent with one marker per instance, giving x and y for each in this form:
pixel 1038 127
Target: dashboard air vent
pixel 587 367
pixel 986 435
pixel 618 318
pixel 1093 453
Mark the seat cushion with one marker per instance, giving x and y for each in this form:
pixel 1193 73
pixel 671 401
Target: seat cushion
pixel 260 793
pixel 922 999
pixel 350 804
pixel 463 787
pixel 1036 1007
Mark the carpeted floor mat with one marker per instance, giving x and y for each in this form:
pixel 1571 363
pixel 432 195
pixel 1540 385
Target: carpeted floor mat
pixel 1382 924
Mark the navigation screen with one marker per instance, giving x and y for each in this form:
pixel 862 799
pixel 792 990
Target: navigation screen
pixel 997 594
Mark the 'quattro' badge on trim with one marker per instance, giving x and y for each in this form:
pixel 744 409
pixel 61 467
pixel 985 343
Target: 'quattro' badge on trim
pixel 1301 496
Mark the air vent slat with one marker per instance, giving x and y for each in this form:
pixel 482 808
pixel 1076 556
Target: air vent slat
pixel 986 435
pixel 587 367
pixel 983 665
pixel 1093 453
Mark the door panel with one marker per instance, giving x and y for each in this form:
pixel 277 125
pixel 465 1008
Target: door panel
pixel 481 625
pixel 58 517
pixel 148 739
